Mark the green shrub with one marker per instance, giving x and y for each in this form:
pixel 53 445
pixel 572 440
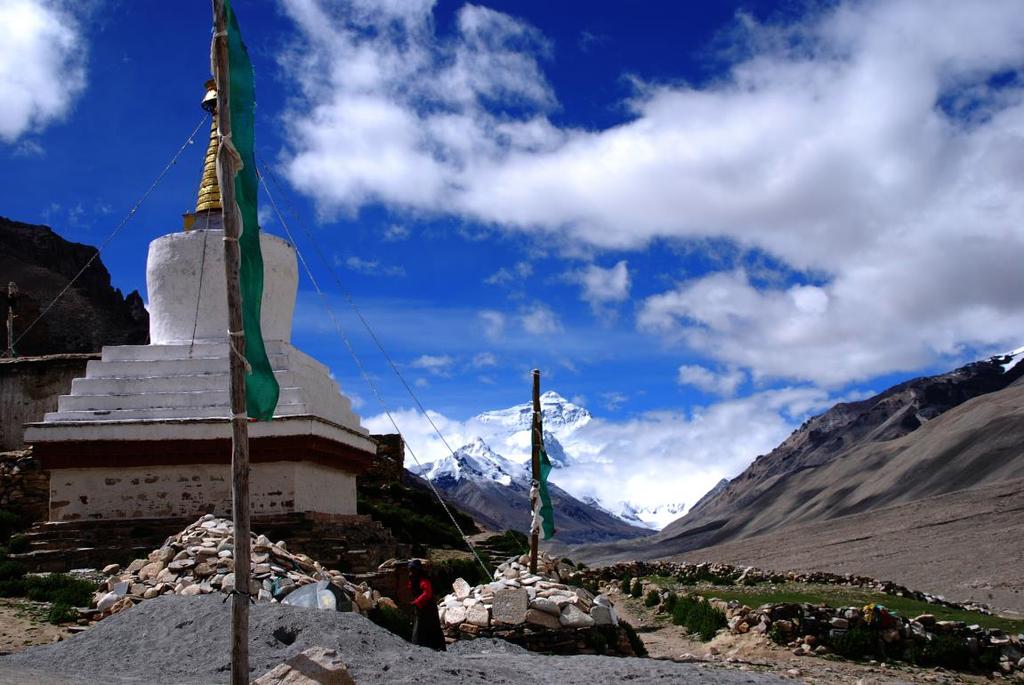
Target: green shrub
pixel 652 598
pixel 12 588
pixel 59 588
pixel 943 650
pixel 18 544
pixel 699 617
pixel 634 640
pixel 638 589
pixel 10 523
pixel 11 570
pixel 777 636
pixel 627 584
pixel 62 613
pixel 670 601
pixel 394 620
pixel 856 643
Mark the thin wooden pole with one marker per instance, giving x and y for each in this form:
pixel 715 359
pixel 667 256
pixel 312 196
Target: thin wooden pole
pixel 535 464
pixel 239 420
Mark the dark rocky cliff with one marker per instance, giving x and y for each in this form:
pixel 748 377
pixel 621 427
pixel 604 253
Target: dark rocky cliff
pixel 90 315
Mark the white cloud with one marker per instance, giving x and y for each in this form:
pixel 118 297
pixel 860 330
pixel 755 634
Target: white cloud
pixel 602 286
pixel 438 365
pixel 656 458
pixel 864 147
pixel 493 323
pixel 539 319
pixel 505 275
pixel 724 383
pixel 395 233
pixel 42 66
pixel 484 359
pixel 613 400
pixel 373 267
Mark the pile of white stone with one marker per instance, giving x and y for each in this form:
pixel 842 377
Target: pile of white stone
pixel 519 598
pixel 200 560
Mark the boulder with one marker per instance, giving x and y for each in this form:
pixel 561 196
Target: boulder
pixel 478 615
pixel 453 616
pixel 461 588
pixel 573 617
pixel 542 619
pixel 510 606
pixel 315 666
pixel 603 616
pixel 546 605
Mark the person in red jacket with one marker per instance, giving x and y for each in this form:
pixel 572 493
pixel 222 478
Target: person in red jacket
pixel 426 628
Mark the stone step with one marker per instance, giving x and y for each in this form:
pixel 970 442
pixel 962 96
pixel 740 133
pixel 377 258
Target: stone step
pixel 200 350
pixel 161 400
pixel 202 412
pixel 191 382
pixel 163 368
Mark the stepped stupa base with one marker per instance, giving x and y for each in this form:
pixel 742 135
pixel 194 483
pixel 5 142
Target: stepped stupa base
pixel 145 434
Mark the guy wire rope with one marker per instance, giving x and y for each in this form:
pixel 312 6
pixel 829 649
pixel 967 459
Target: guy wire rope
pixel 362 370
pixel 117 229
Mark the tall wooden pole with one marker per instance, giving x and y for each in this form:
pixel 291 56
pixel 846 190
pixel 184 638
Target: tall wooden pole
pixel 239 420
pixel 535 442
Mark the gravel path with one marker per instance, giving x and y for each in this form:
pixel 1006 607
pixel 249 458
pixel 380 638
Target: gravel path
pixel 184 640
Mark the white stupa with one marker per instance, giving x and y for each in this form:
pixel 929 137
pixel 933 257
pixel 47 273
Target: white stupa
pixel 146 433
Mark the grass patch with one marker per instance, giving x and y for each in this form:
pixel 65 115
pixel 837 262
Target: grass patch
pixel 62 613
pixel 59 588
pixel 842 596
pixel 699 617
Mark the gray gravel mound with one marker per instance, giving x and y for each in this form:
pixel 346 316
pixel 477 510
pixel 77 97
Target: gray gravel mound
pixel 185 640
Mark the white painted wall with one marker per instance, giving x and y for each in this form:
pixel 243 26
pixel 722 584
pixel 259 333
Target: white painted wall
pixel 193 490
pixel 180 279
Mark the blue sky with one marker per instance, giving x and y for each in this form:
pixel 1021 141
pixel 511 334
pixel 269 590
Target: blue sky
pixel 687 210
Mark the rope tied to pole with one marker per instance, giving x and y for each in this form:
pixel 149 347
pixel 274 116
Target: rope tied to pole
pixel 362 369
pixel 131 213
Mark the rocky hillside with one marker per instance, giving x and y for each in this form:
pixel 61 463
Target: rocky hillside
pixel 91 314
pixel 922 438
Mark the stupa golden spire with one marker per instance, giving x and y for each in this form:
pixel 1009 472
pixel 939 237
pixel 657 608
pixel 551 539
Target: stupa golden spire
pixel 208 198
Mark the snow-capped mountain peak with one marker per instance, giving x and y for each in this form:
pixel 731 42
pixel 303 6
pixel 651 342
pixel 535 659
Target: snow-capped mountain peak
pixel 560 416
pixel 475 461
pixel 655 517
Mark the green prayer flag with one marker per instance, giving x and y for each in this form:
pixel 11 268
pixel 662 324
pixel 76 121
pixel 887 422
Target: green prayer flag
pixel 261 389
pixel 547 513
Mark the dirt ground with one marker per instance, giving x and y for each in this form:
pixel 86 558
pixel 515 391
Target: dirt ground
pixel 758 654
pixel 23 624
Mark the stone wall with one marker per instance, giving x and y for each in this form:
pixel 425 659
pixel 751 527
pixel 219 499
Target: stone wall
pixel 30 386
pixel 192 490
pixel 24 487
pixel 390 462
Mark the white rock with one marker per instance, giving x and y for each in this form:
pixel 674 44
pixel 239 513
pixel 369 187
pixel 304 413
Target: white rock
pixel 478 615
pixel 546 605
pixel 602 615
pixel 108 600
pixel 461 588
pixel 453 616
pixel 573 617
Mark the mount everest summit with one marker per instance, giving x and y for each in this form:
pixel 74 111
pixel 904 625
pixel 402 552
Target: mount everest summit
pixel 490 475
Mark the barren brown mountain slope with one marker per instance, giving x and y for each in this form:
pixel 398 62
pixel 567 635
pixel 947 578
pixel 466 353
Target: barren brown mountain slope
pixel 793 514
pixel 966 546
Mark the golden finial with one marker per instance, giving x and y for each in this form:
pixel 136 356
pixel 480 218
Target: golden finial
pixel 208 199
